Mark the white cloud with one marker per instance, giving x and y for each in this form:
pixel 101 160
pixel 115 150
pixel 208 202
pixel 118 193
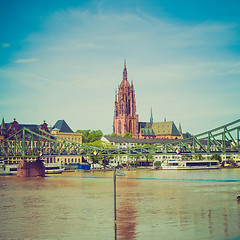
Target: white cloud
pixel 29 60
pixel 5 45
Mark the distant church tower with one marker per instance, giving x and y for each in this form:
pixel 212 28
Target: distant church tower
pixel 125 117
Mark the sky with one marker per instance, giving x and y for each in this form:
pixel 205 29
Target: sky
pixel 64 60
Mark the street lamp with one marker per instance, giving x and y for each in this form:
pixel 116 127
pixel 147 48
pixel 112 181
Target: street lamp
pixel 116 173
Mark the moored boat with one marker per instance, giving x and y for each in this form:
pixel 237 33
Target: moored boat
pixel 8 169
pixel 190 164
pixel 11 169
pixel 53 168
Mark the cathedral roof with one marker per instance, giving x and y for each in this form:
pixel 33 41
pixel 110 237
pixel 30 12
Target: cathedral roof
pixel 147 132
pixel 165 128
pixel 158 128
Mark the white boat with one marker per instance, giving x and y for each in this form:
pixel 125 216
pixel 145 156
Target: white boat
pixel 190 164
pixel 8 169
pixel 11 169
pixel 96 166
pixel 53 168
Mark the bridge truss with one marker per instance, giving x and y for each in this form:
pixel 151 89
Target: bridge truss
pixel 28 144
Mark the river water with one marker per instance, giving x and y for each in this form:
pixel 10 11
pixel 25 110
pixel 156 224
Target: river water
pixel 150 205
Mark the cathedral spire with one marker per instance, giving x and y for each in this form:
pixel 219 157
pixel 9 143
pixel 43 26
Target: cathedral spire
pixel 125 71
pixel 3 128
pixel 115 95
pixel 180 129
pixel 3 123
pixel 151 118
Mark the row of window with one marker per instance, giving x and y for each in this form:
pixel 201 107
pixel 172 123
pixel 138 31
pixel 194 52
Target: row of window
pixel 72 139
pixel 63 160
pixel 50 160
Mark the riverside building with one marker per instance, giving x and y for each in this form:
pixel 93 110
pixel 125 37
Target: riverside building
pixel 60 129
pixel 64 132
pixel 122 142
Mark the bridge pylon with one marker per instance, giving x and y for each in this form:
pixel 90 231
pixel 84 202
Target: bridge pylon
pixel 31 169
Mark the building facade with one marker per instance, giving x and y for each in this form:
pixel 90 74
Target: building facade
pixel 9 129
pixel 63 131
pixel 60 130
pixel 122 142
pixel 160 130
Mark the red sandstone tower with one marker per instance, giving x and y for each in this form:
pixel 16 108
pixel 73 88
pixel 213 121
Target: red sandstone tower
pixel 125 117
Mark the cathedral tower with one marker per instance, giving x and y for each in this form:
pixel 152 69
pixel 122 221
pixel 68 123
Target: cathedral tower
pixel 125 117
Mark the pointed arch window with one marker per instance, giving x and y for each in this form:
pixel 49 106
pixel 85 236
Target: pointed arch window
pixel 130 126
pixel 119 127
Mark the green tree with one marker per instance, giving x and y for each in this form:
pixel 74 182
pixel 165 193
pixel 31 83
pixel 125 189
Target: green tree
pixel 100 144
pixel 134 164
pixel 114 135
pixel 149 158
pixel 104 160
pixel 90 135
pixel 135 158
pixel 94 159
pixel 216 157
pixel 127 135
pixel 158 163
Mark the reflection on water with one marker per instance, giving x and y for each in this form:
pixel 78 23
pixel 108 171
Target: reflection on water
pixel 127 211
pixel 150 205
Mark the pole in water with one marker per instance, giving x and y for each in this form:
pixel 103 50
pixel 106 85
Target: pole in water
pixel 115 210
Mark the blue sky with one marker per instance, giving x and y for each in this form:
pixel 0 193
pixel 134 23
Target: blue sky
pixel 64 59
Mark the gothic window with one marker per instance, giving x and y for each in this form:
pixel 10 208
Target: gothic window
pixel 130 126
pixel 119 127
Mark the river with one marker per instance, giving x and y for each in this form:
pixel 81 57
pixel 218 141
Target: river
pixel 163 204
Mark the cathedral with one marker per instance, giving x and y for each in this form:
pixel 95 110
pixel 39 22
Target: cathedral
pixel 126 118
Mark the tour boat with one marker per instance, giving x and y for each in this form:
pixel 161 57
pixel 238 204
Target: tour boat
pixel 11 169
pixel 53 168
pixel 8 169
pixel 190 164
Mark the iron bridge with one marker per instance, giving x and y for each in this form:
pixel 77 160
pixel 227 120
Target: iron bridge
pixel 28 144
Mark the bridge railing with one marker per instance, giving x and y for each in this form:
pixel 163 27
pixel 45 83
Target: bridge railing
pixel 28 144
pixel 224 139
